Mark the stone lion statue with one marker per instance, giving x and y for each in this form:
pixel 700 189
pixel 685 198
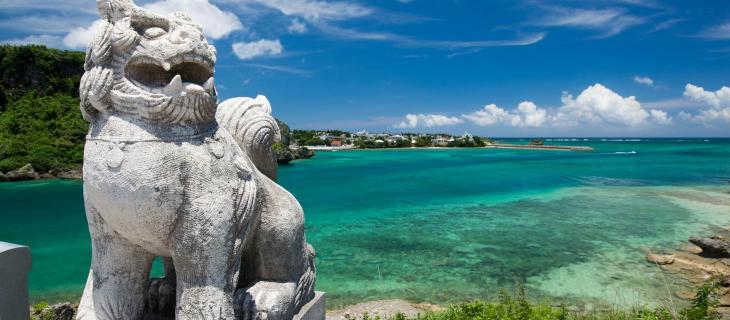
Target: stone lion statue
pixel 169 172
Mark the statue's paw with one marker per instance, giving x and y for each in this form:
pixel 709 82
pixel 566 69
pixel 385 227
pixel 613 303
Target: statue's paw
pixel 266 301
pixel 161 296
pixel 205 303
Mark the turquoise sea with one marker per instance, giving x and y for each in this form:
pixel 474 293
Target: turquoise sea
pixel 448 225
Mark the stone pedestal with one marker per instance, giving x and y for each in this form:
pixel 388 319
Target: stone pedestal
pixel 15 262
pixel 313 310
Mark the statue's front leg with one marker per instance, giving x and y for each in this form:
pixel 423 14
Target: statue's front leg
pixel 206 256
pixel 119 274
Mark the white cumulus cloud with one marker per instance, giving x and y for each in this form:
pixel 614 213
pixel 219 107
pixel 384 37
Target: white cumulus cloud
pixel 598 104
pixel 597 107
pixel 263 47
pixel 297 26
pixel 660 117
pixel 427 120
pixel 713 115
pixel 216 23
pixel 715 99
pixel 718 101
pixel 644 80
pixel 527 114
pixel 489 115
pixel 80 37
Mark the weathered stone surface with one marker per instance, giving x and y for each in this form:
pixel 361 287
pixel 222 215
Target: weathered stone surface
pixel 3 177
pixel 168 173
pixel 25 172
pixel 315 309
pixel 15 262
pixel 712 247
pixel 59 311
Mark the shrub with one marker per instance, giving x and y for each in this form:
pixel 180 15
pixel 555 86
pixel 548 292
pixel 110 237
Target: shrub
pixel 518 307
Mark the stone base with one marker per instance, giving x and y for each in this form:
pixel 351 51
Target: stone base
pixel 314 309
pixel 15 262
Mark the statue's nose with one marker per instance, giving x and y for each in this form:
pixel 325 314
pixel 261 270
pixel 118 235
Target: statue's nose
pixel 185 35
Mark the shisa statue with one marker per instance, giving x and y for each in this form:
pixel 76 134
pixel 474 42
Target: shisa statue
pixel 169 172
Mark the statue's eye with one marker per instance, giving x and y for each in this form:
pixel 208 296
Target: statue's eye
pixel 154 32
pixel 149 25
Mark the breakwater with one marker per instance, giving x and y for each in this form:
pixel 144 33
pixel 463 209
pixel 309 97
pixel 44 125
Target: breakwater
pixel 539 147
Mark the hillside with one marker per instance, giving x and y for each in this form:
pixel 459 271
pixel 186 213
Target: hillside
pixel 40 121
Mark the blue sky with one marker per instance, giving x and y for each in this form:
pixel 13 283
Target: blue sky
pixel 495 68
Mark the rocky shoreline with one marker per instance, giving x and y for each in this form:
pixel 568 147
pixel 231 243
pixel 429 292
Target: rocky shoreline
pixel 695 263
pixel 383 308
pixel 27 172
pixel 284 155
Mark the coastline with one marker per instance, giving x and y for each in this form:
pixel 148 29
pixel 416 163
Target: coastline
pixel 23 174
pixel 493 146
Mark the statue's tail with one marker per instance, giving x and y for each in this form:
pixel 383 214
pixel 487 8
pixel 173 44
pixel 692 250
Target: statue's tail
pixel 251 124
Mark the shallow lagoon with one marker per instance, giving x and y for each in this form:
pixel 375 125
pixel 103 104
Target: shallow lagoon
pixel 447 225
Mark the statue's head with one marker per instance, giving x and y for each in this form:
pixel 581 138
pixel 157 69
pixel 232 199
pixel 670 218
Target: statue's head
pixel 153 67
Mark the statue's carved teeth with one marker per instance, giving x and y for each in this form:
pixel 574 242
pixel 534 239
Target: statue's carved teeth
pixel 166 66
pixel 191 88
pixel 175 87
pixel 208 85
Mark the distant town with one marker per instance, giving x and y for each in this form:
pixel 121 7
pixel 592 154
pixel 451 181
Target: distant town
pixel 336 139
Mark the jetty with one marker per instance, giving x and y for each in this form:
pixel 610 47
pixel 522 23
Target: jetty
pixel 539 147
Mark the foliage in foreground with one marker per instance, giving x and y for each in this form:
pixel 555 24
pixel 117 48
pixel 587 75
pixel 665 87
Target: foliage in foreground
pixel 517 307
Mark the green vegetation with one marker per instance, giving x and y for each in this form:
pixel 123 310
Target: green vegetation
pixel 365 143
pixel 312 137
pixel 38 307
pixel 45 131
pixel 40 121
pixel 518 307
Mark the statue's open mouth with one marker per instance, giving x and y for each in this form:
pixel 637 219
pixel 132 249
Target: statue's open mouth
pixel 181 76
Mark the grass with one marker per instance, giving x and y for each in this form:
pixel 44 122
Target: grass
pixel 518 307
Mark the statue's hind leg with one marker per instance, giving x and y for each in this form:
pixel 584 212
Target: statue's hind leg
pixel 118 278
pixel 278 264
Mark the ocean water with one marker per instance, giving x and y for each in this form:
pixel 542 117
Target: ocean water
pixel 449 225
